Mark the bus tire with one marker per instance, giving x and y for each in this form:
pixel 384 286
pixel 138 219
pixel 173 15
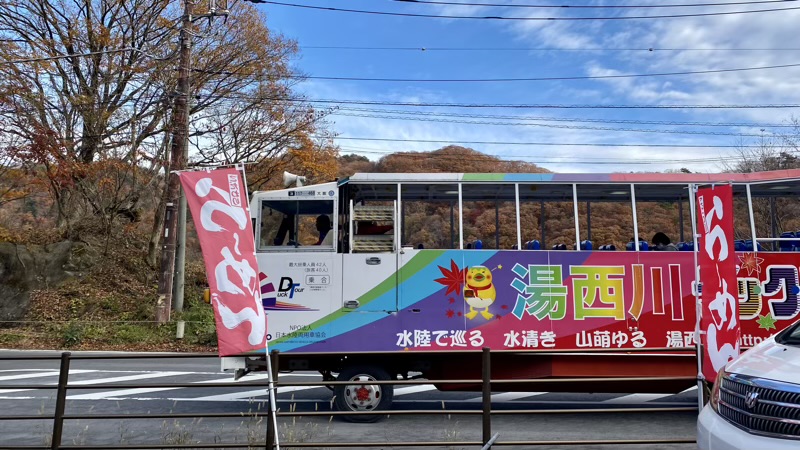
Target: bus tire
pixel 363 396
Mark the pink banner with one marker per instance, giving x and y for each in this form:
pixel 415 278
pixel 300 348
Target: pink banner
pixel 219 206
pixel 719 323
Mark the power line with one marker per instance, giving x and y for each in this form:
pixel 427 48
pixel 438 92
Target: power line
pixel 570 119
pixel 560 78
pixel 529 105
pixel 672 5
pixel 436 16
pixel 51 58
pixel 545 144
pixel 538 158
pixel 544 49
pixel 545 125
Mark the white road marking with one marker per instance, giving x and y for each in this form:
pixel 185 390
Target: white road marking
pixel 508 396
pixel 642 398
pixel 41 375
pixel 37 375
pixel 414 389
pixel 251 394
pixel 103 381
pixel 118 394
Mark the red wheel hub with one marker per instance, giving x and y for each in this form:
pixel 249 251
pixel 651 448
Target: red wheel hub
pixel 362 394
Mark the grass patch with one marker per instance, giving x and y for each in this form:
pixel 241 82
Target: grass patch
pixel 8 338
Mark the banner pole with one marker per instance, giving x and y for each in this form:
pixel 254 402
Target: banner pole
pixel 697 301
pixel 272 393
pixel 271 383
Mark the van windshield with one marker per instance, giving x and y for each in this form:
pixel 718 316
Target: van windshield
pixel 791 336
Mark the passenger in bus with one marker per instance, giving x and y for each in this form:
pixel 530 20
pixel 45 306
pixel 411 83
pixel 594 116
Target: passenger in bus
pixel 324 228
pixel 662 243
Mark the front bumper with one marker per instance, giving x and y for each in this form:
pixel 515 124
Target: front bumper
pixel 716 433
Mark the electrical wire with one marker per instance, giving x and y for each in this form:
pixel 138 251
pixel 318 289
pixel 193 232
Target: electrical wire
pixel 571 119
pixel 450 16
pixel 560 78
pixel 551 160
pixel 545 49
pixel 525 105
pixel 671 5
pixel 569 127
pixel 498 80
pixel 544 144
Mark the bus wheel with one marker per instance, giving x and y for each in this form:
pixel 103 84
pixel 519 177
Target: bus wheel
pixel 363 396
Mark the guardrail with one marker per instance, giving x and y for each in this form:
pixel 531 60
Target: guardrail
pixel 488 439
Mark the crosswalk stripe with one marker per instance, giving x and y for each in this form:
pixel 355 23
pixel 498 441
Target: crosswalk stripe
pixel 414 389
pixel 642 398
pixel 117 394
pixel 120 379
pixel 508 396
pixel 252 394
pixel 52 373
pixel 37 375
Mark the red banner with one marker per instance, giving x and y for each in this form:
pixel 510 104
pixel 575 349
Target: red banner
pixel 218 201
pixel 719 323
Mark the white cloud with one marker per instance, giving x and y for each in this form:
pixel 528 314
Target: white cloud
pixel 765 31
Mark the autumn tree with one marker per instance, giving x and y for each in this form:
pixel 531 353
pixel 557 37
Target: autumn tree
pixel 88 87
pixel 772 216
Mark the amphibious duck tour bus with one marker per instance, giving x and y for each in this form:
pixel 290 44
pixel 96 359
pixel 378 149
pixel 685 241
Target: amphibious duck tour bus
pixel 379 276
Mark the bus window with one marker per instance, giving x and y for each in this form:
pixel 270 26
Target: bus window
pixel 776 210
pixel 430 216
pixel 659 209
pixel 556 223
pixel 296 223
pixel 489 216
pixel 605 215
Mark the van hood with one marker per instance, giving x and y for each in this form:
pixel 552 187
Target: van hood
pixel 769 360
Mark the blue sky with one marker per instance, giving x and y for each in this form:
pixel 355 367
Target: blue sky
pixel 553 49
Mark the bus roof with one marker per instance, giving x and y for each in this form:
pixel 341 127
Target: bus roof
pixel 645 178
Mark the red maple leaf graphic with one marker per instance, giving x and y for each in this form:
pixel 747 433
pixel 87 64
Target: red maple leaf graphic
pixel 459 314
pixel 450 313
pixel 453 278
pixel 452 300
pixel 751 263
pixel 504 307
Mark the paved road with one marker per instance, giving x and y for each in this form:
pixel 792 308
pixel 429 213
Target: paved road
pixel 146 399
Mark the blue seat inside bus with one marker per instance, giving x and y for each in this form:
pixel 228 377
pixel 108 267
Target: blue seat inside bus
pixel 585 245
pixel 686 246
pixel 748 246
pixel 478 244
pixel 532 245
pixel 643 247
pixel 608 247
pixel 787 246
pixel 738 245
pixel 560 247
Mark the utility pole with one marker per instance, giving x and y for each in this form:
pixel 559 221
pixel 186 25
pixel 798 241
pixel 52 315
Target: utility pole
pixel 175 224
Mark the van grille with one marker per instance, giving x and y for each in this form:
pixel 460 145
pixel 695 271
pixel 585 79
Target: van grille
pixel 759 406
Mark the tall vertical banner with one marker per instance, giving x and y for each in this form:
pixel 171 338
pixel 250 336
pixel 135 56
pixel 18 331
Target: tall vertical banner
pixel 218 202
pixel 719 322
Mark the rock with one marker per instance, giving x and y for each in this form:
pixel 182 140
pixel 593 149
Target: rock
pixel 24 268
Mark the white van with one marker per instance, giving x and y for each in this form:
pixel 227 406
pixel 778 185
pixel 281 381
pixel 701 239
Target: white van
pixel 755 403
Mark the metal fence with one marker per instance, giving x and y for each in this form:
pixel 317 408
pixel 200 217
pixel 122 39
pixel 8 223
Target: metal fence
pixel 486 413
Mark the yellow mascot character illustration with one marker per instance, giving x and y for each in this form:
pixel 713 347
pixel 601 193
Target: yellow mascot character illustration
pixel 479 292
